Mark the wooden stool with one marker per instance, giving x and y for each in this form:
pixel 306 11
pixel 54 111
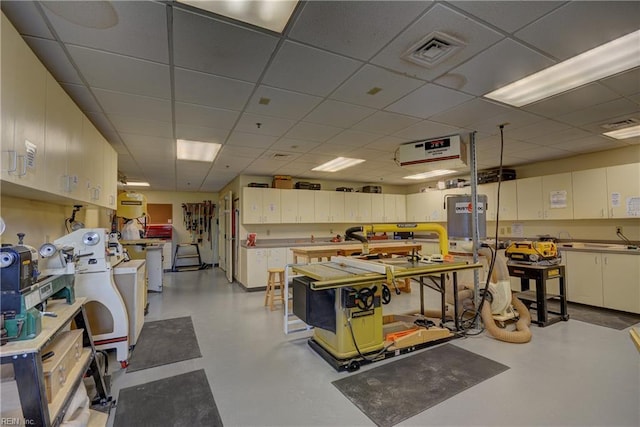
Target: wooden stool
pixel 275 279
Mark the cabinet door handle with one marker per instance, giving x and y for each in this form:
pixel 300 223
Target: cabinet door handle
pixel 606 261
pixel 14 161
pixel 24 165
pixel 596 259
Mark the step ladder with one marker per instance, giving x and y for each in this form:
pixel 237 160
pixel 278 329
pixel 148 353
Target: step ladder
pixel 190 253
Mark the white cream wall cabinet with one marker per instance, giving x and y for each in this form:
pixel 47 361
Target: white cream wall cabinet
pixel 508 200
pixel 545 197
pixel 329 206
pixel 623 189
pixel 590 194
pixel 261 205
pixel 297 206
pixel 70 159
pixel 604 280
pixel 23 110
pixel 394 208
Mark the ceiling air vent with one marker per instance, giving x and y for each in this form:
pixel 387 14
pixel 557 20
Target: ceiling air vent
pixel 433 49
pixel 621 124
pixel 280 156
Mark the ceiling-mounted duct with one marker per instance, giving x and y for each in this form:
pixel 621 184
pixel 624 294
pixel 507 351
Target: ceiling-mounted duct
pixel 433 49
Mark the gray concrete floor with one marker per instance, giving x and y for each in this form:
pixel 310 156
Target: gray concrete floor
pixel 570 374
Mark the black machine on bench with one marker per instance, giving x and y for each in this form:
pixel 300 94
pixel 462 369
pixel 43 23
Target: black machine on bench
pixel 23 295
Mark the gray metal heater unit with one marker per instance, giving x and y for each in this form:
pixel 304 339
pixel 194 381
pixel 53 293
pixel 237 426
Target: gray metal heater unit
pixel 459 213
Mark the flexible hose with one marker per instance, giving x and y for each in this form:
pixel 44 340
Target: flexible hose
pixel 521 335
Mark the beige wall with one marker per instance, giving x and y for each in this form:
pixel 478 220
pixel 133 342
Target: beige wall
pixel 44 222
pixel 208 249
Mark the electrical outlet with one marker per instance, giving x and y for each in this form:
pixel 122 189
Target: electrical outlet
pixel 618 229
pixel 268 232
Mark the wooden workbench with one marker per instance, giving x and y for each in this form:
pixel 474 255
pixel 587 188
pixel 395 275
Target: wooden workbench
pixel 308 254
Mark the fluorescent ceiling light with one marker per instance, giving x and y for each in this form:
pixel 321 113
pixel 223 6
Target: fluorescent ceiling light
pixel 611 58
pixel 270 14
pixel 136 184
pixel 198 151
pixel 337 164
pixel 430 174
pixel 625 133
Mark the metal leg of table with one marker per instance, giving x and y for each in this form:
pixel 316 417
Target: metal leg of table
pixel 29 378
pixel 455 300
pixel 82 322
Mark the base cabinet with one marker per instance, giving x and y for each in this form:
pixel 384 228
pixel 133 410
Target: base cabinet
pixel 604 280
pixel 258 261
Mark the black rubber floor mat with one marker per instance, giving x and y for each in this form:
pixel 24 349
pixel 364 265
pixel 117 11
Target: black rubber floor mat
pixel 181 401
pixel 598 316
pixel 393 392
pixel 164 341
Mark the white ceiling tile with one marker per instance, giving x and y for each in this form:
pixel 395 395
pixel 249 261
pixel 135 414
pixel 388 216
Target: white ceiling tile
pixel 121 73
pixel 357 29
pixel 511 118
pixel 150 148
pixel 558 138
pixel 127 124
pixel 282 103
pixel 232 163
pixel 565 103
pixel 535 130
pixel 370 156
pixel 570 29
pixel 497 66
pixel 312 132
pixel 538 153
pixel 473 111
pixel 229 152
pixel 427 130
pixel 333 150
pixel 385 123
pixel 142 107
pixel 591 143
pixel 253 140
pixel 394 86
pixel 627 83
pixel 26 19
pixel 440 18
pixel 428 101
pixel 51 53
pixel 264 167
pixel 82 97
pixel 200 133
pixel 601 113
pixel 132 28
pixel 339 114
pixel 308 70
pixel 353 138
pixel 387 143
pixel 101 122
pixel 294 145
pixel 198 115
pixel 212 91
pixel 217 47
pixel 263 125
pixel 507 15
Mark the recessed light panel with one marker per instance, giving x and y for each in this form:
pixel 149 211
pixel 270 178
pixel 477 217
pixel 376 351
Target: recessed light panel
pixel 270 14
pixel 430 174
pixel 197 151
pixel 337 164
pixel 611 58
pixel 624 133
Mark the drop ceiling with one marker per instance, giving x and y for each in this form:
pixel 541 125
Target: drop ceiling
pixel 149 72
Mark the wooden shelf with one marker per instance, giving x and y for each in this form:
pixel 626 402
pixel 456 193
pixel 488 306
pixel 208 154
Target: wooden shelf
pixel 73 380
pixel 50 328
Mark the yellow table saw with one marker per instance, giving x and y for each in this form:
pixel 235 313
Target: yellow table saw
pixel 343 300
